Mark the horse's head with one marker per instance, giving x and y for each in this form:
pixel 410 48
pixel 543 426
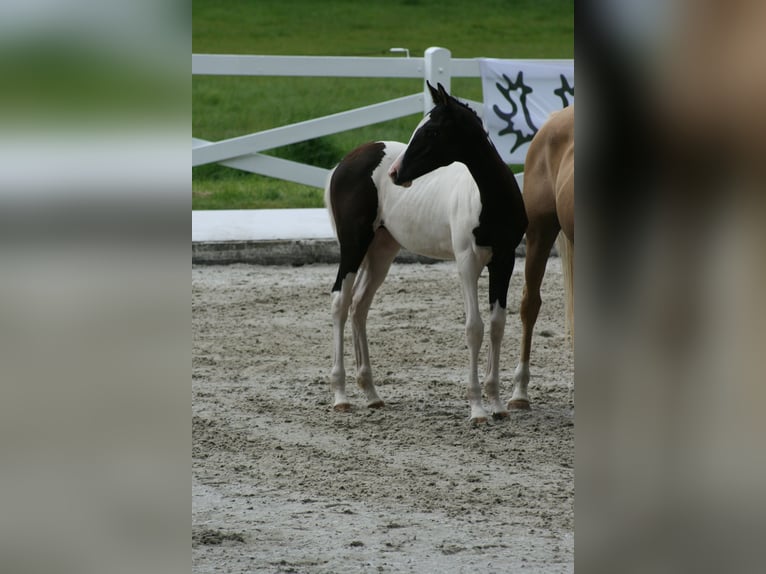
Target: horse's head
pixel 438 140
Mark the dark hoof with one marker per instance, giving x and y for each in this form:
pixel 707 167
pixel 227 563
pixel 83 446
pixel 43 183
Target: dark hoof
pixel 478 421
pixel 376 405
pixel 518 405
pixel 342 408
pixel 501 416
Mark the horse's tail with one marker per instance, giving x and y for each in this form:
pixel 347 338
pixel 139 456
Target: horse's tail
pixel 328 200
pixel 566 252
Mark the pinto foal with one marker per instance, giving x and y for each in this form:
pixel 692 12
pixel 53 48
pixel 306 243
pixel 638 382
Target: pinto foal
pixel 470 212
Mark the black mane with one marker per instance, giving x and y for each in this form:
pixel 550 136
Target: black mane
pixel 479 121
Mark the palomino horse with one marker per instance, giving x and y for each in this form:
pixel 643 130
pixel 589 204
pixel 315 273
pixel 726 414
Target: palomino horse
pixel 473 215
pixel 549 202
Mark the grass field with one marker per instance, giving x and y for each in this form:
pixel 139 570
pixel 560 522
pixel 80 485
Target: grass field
pixel 226 107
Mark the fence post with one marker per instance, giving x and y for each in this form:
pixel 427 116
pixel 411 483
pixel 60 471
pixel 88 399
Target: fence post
pixel 437 70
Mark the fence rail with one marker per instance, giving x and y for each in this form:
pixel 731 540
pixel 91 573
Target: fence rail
pixel 311 66
pixel 243 152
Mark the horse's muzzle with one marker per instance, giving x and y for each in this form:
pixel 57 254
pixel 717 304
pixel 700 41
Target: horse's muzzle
pixel 393 173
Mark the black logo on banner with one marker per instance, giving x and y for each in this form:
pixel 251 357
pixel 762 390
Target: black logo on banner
pixel 564 90
pixel 519 124
pixel 519 119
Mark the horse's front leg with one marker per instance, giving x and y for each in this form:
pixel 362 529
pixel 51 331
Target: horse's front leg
pixel 500 271
pixel 474 333
pixel 492 378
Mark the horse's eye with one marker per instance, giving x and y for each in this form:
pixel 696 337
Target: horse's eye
pixel 433 133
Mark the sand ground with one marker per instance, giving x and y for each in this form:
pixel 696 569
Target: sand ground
pixel 282 483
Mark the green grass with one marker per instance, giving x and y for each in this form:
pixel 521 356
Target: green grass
pixel 225 107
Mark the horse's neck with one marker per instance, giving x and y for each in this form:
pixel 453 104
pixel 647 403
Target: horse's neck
pixel 495 180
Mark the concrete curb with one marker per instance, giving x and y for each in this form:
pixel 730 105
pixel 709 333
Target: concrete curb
pixel 279 252
pixel 265 252
pixel 287 252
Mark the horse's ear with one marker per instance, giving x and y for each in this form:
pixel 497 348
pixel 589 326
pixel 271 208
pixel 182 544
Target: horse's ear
pixel 444 97
pixel 435 95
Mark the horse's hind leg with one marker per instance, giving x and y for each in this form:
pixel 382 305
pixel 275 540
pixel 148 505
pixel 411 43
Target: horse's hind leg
pixel 352 252
pixel 341 301
pixel 540 239
pixel 374 269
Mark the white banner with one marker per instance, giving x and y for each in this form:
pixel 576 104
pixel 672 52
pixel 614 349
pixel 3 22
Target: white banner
pixel 518 98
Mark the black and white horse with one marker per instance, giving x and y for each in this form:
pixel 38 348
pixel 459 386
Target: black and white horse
pixel 447 195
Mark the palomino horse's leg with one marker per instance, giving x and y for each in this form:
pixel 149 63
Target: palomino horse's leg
pixel 373 271
pixel 540 239
pixel 469 269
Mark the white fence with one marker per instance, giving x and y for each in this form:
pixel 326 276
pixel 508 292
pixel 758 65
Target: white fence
pixel 244 152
